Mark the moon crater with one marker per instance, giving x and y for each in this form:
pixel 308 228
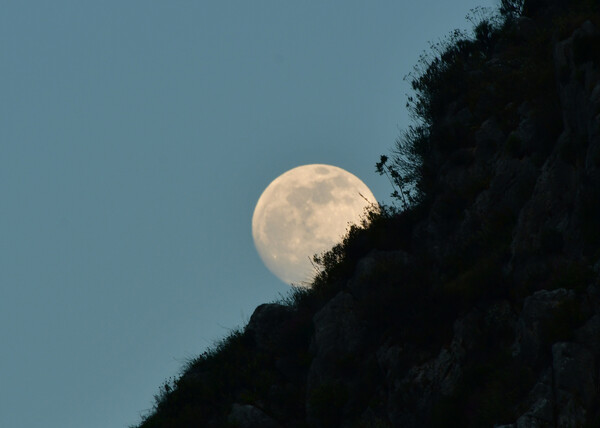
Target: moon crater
pixel 303 212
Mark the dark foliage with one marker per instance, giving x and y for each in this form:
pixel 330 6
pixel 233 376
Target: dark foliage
pixel 511 8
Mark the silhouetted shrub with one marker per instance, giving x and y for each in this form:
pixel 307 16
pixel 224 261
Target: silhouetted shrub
pixel 511 8
pixel 382 227
pixel 440 78
pixel 404 170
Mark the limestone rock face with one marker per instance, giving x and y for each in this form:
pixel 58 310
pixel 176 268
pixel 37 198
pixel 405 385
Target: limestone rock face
pixel 575 380
pixel 589 334
pixel 540 413
pixel 565 393
pixel 535 319
pixel 337 345
pixel 411 397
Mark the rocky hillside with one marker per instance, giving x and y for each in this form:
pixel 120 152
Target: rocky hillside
pixel 478 303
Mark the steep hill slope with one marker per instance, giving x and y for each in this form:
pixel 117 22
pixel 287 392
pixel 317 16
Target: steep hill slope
pixel 476 305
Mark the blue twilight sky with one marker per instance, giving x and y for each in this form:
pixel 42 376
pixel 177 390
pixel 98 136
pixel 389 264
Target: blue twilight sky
pixel 135 140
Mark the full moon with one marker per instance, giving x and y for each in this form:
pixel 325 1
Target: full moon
pixel 303 212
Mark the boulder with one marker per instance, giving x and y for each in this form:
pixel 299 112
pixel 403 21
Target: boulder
pixel 541 402
pixel 265 322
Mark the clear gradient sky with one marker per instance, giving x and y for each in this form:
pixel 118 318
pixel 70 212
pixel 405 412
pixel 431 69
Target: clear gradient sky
pixel 135 140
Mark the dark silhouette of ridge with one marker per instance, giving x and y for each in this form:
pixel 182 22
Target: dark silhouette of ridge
pixel 475 302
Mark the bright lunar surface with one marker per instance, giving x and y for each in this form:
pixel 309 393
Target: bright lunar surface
pixel 304 212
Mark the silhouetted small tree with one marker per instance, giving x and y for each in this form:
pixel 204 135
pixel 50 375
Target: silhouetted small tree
pixel 403 169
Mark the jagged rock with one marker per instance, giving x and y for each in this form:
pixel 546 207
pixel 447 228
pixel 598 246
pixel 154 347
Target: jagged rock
pixel 527 130
pixel 248 416
pixel 565 391
pixel 574 376
pixel 411 397
pixel 577 79
pixel 511 185
pixel 438 375
pixel 540 402
pixel 388 357
pixel 539 416
pixel 538 311
pixel 488 138
pixel 560 199
pixel 589 334
pixel 500 316
pixel 547 208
